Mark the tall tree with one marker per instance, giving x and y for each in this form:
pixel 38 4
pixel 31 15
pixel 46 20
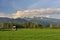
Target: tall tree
pixel 51 25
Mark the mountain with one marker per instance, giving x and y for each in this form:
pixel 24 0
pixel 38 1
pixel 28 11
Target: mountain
pixel 19 20
pixel 8 20
pixel 5 19
pixel 41 20
pixel 44 20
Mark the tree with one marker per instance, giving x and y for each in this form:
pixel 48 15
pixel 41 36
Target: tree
pixel 24 24
pixel 57 26
pixel 4 25
pixel 51 25
pixel 31 25
pixel 36 25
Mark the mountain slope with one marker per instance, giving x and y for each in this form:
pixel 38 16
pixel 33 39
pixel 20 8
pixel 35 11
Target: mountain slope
pixel 44 21
pixel 41 20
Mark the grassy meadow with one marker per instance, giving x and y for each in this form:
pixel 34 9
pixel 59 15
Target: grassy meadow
pixel 31 34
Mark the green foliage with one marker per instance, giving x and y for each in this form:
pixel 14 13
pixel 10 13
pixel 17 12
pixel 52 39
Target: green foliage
pixel 57 26
pixel 51 25
pixel 35 25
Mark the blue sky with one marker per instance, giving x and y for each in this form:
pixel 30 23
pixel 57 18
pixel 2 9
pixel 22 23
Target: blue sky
pixel 12 6
pixel 9 6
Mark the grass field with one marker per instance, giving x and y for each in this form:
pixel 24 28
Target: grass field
pixel 31 34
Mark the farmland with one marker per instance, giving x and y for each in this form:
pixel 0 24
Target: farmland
pixel 31 34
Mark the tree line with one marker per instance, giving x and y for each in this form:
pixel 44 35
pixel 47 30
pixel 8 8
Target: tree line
pixel 5 25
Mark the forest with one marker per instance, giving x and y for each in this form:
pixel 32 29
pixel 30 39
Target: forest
pixel 36 25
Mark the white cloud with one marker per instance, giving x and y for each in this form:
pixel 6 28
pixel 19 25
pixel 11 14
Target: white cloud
pixel 18 14
pixel 48 16
pixel 31 13
pixel 3 15
pixel 27 13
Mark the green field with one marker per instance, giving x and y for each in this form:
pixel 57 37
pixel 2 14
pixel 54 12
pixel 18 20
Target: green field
pixel 31 34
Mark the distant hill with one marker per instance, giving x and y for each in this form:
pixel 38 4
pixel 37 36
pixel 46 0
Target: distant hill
pixel 41 20
pixel 8 20
pixel 44 21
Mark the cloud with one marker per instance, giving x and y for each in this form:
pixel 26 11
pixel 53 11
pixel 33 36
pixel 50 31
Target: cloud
pixel 46 12
pixel 37 12
pixel 18 14
pixel 5 15
pixel 48 16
